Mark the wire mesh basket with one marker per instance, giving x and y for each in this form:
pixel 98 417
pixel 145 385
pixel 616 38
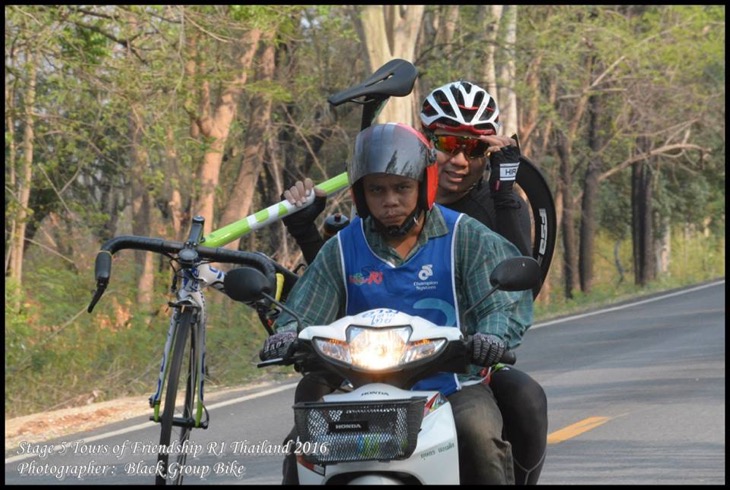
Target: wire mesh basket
pixel 359 431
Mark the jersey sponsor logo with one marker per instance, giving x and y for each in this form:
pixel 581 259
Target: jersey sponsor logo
pixel 425 272
pixel 508 171
pixel 372 277
pixel 424 284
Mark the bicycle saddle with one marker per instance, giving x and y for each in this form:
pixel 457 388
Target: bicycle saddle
pixel 395 78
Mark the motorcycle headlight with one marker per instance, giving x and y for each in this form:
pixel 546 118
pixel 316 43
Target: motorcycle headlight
pixel 378 349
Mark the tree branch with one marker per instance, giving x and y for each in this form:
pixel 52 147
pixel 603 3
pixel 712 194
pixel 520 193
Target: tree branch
pixel 657 151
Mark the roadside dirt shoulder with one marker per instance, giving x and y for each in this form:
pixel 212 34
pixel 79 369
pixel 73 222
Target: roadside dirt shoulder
pixel 46 426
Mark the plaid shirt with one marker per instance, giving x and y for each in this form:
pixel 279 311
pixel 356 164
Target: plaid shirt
pixel 319 295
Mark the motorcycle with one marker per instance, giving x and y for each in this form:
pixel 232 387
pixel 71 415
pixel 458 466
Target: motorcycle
pixel 379 432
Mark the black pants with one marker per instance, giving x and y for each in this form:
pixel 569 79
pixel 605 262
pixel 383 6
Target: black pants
pixel 523 404
pixel 521 401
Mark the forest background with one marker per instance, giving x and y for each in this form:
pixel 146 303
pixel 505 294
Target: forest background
pixel 132 119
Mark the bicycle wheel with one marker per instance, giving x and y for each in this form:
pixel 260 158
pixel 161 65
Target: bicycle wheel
pixel 177 418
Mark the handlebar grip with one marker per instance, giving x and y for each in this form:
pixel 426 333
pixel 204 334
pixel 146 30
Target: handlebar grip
pixel 509 357
pixel 102 273
pixel 103 267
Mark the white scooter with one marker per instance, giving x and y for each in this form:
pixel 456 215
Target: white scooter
pixel 379 433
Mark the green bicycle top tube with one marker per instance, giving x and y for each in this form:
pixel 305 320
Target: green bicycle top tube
pixel 259 219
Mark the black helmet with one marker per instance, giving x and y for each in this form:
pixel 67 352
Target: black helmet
pixel 395 149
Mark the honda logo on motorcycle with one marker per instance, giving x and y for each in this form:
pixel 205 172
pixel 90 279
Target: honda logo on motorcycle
pixel 352 426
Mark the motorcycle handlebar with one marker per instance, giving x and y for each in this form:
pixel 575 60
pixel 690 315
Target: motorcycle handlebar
pixel 508 357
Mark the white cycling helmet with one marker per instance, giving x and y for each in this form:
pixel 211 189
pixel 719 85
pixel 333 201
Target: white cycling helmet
pixel 460 106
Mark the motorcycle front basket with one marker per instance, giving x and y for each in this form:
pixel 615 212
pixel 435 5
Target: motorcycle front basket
pixel 358 431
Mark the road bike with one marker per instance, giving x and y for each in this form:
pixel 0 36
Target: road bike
pixel 183 358
pixel 182 368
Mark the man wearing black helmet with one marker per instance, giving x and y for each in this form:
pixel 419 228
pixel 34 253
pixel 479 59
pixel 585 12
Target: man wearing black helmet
pixel 462 120
pixel 399 231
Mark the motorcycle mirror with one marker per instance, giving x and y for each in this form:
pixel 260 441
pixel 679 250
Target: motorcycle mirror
pixel 246 284
pixel 513 274
pixel 516 274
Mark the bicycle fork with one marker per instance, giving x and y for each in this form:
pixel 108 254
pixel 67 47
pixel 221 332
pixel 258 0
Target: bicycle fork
pixel 196 372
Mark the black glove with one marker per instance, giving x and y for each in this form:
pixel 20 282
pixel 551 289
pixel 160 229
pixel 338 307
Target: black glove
pixel 486 349
pixel 301 223
pixel 503 167
pixel 277 345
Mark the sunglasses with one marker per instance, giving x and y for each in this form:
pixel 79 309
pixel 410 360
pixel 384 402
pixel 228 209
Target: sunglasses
pixel 471 147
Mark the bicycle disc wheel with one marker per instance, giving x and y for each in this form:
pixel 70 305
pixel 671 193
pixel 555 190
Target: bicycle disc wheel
pixel 177 418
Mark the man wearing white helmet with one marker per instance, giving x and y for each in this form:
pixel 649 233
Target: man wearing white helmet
pixel 399 230
pixel 462 121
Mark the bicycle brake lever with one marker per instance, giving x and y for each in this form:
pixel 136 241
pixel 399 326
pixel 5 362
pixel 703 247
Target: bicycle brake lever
pixel 100 288
pixel 102 273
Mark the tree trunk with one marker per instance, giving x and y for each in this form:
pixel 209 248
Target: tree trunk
pixel 447 25
pixel 641 218
pixel 664 246
pixel 528 118
pixel 573 113
pixel 491 15
pixel 17 241
pixel 276 171
pixel 570 269
pixel 588 226
pixel 216 127
pixel 141 208
pixel 11 156
pixel 389 32
pixel 507 97
pixel 242 194
pixel 176 209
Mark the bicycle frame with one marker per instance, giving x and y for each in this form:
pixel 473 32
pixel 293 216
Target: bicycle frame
pixel 190 295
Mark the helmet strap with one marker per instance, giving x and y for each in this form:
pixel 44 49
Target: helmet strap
pixel 398 231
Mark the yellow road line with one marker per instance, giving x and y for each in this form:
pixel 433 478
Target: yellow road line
pixel 576 429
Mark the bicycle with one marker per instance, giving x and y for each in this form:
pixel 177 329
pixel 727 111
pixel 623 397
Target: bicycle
pixel 183 358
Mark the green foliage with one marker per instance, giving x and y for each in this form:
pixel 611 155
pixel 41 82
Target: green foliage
pixel 84 44
pixel 615 213
pixel 17 328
